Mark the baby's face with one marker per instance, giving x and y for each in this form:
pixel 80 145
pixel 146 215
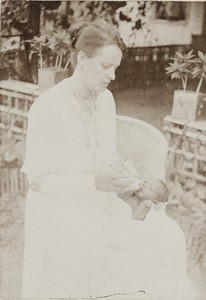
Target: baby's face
pixel 147 191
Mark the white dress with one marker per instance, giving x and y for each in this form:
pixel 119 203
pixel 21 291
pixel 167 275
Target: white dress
pixel 80 242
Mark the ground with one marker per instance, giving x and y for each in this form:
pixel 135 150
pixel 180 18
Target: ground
pixel 150 104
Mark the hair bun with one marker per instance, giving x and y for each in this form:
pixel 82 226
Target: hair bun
pixel 76 30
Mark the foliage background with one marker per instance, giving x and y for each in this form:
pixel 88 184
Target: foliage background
pixel 31 18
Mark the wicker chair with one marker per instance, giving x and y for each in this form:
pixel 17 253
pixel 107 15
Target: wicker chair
pixel 143 145
pixel 146 147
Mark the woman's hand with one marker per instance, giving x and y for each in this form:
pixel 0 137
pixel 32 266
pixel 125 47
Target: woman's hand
pixel 109 181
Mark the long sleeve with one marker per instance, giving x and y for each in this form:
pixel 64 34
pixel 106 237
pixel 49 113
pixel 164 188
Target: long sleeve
pixel 44 150
pixel 63 184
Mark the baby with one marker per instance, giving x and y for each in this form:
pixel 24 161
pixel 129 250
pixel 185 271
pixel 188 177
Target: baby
pixel 140 195
pixel 151 193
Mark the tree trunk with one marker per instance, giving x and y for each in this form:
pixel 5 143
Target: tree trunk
pixel 34 17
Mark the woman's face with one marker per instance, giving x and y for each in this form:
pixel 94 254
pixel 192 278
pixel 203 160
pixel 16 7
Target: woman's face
pixel 98 71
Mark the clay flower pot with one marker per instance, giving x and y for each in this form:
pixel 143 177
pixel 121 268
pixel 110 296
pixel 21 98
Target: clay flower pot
pixel 185 104
pixel 47 77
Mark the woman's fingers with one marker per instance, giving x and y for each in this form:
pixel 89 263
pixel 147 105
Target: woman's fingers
pixel 111 186
pixel 108 181
pixel 120 185
pixel 123 182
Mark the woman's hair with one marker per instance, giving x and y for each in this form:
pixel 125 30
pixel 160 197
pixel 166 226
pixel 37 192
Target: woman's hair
pixel 90 36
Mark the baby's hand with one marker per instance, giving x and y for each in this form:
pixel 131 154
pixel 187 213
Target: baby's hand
pixel 129 190
pixel 142 209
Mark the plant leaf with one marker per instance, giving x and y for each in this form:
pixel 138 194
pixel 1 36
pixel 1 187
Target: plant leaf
pixel 189 55
pixel 190 52
pixel 179 55
pixel 201 55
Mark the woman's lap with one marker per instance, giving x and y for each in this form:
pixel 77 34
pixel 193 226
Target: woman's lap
pixel 69 250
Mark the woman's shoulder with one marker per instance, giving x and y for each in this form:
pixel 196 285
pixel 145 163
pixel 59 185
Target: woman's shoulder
pixel 52 99
pixel 106 99
pixel 107 94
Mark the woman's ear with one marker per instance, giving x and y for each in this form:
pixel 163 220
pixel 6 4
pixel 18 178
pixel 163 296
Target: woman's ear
pixel 81 59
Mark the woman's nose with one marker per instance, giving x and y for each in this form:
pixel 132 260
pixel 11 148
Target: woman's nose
pixel 111 74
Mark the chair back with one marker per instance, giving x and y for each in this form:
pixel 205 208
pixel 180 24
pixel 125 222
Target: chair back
pixel 143 145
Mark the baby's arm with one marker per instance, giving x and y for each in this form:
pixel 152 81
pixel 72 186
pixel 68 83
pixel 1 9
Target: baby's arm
pixel 141 209
pixel 132 202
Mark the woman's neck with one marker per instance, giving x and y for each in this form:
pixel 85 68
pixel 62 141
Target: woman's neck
pixel 79 89
pixel 82 94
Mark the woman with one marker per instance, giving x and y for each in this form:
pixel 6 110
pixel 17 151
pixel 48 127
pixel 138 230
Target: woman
pixel 80 240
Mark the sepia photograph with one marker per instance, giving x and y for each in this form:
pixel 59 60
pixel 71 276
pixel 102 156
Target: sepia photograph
pixel 102 150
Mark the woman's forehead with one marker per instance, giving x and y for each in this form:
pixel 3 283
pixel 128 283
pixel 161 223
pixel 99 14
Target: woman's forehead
pixel 109 53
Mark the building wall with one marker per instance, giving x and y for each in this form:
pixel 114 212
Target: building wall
pixel 157 32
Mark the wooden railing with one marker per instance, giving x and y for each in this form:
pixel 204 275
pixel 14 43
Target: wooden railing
pixel 187 148
pixel 16 98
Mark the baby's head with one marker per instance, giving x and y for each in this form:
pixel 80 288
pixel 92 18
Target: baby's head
pixel 151 192
pixel 154 190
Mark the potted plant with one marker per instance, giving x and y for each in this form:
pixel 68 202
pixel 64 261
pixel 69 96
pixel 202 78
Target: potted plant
pixel 183 67
pixel 60 46
pixel 54 45
pixel 39 45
